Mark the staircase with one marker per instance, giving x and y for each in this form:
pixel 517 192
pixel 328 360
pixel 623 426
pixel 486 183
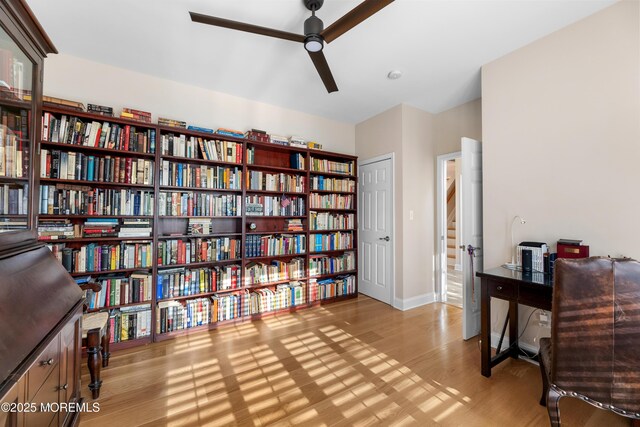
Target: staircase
pixel 451 226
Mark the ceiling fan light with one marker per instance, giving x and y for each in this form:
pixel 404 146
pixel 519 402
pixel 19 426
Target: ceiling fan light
pixel 313 43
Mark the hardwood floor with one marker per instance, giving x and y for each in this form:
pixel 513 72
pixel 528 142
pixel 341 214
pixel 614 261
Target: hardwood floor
pixel 358 362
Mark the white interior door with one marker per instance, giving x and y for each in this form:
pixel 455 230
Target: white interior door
pixel 375 194
pixel 471 234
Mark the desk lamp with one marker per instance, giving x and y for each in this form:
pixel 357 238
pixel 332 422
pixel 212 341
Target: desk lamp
pixel 512 265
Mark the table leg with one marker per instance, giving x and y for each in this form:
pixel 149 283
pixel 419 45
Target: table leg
pixel 94 360
pixel 485 329
pixel 513 329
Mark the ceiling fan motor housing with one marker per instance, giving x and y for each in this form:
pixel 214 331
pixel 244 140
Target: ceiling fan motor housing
pixel 313 26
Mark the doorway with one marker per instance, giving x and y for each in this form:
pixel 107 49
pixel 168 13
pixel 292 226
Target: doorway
pixel 449 223
pixel 376 243
pixel 459 231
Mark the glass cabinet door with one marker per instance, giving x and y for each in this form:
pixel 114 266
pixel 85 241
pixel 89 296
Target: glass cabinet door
pixel 16 113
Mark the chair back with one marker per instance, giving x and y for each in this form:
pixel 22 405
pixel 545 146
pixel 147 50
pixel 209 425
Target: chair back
pixel 596 330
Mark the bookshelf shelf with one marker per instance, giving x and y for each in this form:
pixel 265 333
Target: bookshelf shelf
pixel 199 189
pixel 197 216
pixel 270 257
pixel 97 150
pixel 4 179
pixel 201 264
pixel 276 169
pixel 93 239
pixel 277 193
pixel 331 252
pixel 333 174
pixel 266 285
pixel 94 183
pixel 79 216
pixel 178 298
pixel 179 159
pixel 276 232
pixel 333 230
pixel 14 103
pixel 332 192
pixel 331 210
pixel 196 236
pixel 340 273
pixel 271 160
pixel 111 307
pixel 103 272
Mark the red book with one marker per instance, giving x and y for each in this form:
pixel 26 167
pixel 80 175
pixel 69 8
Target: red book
pixel 125 146
pixel 107 289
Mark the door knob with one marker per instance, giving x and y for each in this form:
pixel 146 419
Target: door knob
pixel 385 238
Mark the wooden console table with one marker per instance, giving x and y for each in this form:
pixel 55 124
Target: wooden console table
pixel 532 289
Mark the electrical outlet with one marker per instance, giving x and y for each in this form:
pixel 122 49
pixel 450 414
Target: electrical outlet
pixel 544 319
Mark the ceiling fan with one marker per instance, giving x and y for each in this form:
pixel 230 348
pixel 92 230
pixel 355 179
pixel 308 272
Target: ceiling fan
pixel 314 32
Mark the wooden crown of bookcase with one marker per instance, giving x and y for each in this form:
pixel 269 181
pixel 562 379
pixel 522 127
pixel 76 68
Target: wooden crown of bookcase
pixel 188 230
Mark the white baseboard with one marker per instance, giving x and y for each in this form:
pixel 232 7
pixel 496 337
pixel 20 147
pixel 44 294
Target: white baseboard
pixel 413 302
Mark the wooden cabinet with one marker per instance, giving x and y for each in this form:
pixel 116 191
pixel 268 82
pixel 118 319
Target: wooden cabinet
pixel 48 393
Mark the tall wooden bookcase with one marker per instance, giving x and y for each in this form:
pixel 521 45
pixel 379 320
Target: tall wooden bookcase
pixel 240 229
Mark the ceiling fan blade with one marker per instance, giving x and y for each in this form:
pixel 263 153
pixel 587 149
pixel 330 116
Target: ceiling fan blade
pixel 323 69
pixel 358 14
pixel 241 26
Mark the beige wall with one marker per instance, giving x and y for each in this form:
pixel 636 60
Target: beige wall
pixel 451 125
pixel 561 139
pixel 90 82
pixel 418 170
pixel 382 134
pixel 408 133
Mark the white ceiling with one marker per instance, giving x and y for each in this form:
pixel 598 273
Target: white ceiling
pixel 439 45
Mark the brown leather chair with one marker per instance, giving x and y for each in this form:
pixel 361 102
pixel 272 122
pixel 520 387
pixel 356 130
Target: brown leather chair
pixel 96 334
pixel 594 350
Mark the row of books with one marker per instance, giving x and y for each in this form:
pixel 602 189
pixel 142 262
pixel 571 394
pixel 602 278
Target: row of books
pixel 96 257
pixel 63 199
pixel 324 165
pixel 265 181
pixel 294 224
pixel 199 204
pixel 331 288
pixel 330 201
pixel 256 273
pixel 319 182
pixel 120 290
pixel 284 296
pixel 79 166
pixel 192 250
pixel 11 224
pixel 200 176
pixel 130 323
pixel 180 282
pixel 14 157
pixel 13 199
pixel 75 131
pixel 331 241
pixel 331 221
pixel 60 229
pixel 272 245
pixel 178 315
pixel 275 205
pixel 131 114
pixel 322 265
pixel 199 148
